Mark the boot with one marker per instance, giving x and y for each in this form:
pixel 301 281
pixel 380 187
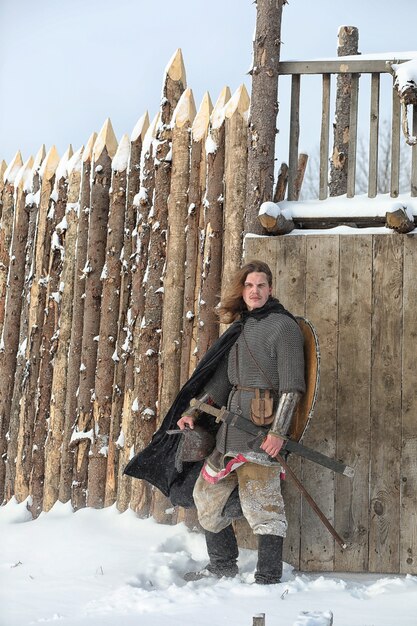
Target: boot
pixel 269 566
pixel 223 552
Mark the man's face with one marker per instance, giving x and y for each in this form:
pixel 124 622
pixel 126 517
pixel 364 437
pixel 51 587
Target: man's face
pixel 256 290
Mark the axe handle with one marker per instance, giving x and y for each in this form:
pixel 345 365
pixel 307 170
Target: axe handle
pixel 312 502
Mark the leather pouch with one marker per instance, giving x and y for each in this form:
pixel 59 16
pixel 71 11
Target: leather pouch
pixel 262 408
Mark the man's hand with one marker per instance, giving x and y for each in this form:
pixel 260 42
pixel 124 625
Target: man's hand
pixel 272 445
pixel 184 421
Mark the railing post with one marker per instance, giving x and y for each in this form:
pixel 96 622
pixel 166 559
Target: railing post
pixel 324 139
pixel 294 136
pixel 395 145
pixel 373 137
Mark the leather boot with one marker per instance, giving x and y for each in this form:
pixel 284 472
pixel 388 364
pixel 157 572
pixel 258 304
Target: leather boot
pixel 269 566
pixel 223 552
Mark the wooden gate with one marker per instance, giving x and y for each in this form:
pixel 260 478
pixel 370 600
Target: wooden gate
pixel 360 293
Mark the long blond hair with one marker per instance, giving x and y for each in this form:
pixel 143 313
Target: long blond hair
pixel 232 303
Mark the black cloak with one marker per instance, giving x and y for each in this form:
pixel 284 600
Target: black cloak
pixel 156 463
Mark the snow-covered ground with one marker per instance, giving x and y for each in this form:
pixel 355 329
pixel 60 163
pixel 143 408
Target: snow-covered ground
pixel 105 568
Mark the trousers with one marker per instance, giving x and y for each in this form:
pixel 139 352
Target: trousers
pixel 260 497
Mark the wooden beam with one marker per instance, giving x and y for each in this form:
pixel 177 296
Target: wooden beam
pixel 343 65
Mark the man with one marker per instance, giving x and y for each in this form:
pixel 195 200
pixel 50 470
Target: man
pixel 260 378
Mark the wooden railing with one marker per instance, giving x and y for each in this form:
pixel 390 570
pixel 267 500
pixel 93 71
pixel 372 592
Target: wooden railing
pixel 329 69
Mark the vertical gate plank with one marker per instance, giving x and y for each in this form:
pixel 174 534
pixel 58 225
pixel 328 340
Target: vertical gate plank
pixel 317 545
pixel 408 485
pixel 385 404
pixel 353 402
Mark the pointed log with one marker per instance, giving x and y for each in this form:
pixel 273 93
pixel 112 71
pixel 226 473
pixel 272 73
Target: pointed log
pixel 32 205
pixel 130 349
pixel 37 301
pixel 13 306
pixel 281 185
pixel 182 119
pixel 104 149
pixel 236 158
pixel 106 352
pixel 199 131
pixel 149 339
pixel 208 330
pixel 56 429
pixel 74 354
pixel 6 226
pixel 196 190
pixel 50 331
pixel 174 84
pixel 133 184
pixel 3 168
pixel 216 120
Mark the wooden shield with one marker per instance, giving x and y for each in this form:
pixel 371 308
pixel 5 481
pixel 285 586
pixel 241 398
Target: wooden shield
pixel 305 407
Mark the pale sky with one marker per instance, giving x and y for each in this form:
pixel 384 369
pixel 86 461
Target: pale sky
pixel 65 66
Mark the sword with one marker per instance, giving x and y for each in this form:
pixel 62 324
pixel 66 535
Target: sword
pixel 223 415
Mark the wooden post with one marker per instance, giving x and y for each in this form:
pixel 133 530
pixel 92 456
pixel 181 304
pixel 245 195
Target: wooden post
pixel 74 353
pixel 103 151
pixel 54 449
pixel 37 301
pixel 298 183
pixel 199 132
pixel 146 380
pixel 264 109
pixel 130 351
pixel 50 331
pixel 123 347
pixel 210 227
pixel 258 620
pixel 107 353
pixel 211 265
pixel 13 306
pixel 6 227
pixel 236 113
pixel 348 44
pixel 11 404
pixel 173 301
pixel 3 168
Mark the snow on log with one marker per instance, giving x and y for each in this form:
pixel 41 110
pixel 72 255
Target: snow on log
pixel 192 274
pixel 50 332
pixel 110 302
pixel 37 303
pixel 54 448
pixel 103 151
pixel 170 361
pixel 13 306
pixel 75 344
pixel 236 113
pixel 274 220
pixel 400 219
